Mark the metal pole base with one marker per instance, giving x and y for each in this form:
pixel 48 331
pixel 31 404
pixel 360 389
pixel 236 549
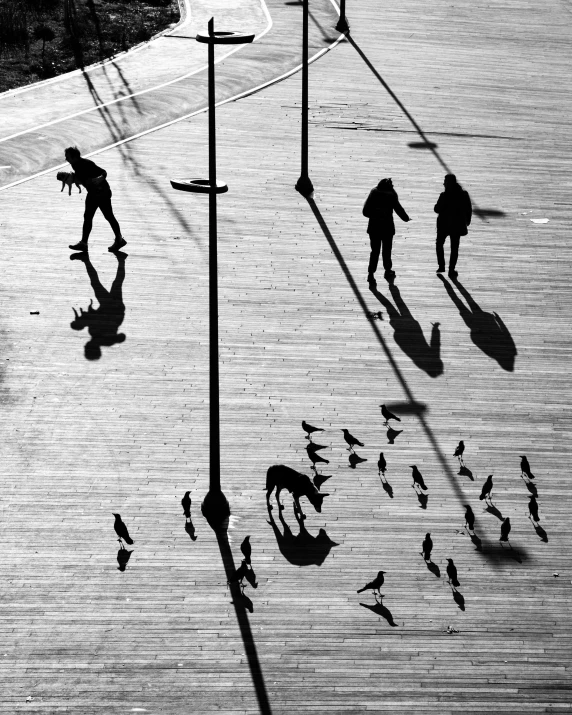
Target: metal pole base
pixel 216 510
pixel 342 25
pixel 305 186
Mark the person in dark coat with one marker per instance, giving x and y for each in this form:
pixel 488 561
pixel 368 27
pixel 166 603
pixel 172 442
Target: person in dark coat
pixel 94 178
pixel 378 208
pixel 454 211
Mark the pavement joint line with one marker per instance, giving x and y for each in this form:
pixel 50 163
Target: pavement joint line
pixel 235 98
pixel 96 107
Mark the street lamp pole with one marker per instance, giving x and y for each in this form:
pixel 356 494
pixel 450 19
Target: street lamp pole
pixel 215 507
pixel 304 184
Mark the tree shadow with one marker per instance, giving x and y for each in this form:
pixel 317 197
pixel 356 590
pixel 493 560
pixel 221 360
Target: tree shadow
pixel 408 334
pixel 382 611
pixel 488 332
pixel 102 323
pixel 301 549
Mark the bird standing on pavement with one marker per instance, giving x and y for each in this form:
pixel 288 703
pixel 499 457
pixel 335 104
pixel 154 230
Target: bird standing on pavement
pixel 505 530
pixel 375 585
pixel 309 429
pixel 487 489
pixel 246 549
pixel 452 573
pixel 186 504
pixel 525 467
pixel 381 464
pixel 351 440
pixel 427 547
pixel 469 518
pixel 417 479
pixel 121 530
pixel 459 451
pixel 387 415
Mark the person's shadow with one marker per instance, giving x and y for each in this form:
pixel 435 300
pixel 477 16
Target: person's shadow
pixel 301 549
pixel 409 335
pixel 488 331
pixel 103 322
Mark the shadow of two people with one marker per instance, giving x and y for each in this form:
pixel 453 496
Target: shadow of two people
pixel 102 323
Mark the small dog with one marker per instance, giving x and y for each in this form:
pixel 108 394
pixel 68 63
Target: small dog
pixel 68 177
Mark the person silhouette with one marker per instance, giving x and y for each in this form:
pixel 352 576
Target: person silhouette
pixel 103 322
pixel 454 212
pixel 378 208
pixel 98 196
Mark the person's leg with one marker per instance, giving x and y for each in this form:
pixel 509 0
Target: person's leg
pixel 455 240
pixel 91 205
pixel 107 211
pixel 387 245
pixel 439 246
pixel 375 243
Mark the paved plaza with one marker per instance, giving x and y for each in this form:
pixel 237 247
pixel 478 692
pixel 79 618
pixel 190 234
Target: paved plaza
pixel 118 421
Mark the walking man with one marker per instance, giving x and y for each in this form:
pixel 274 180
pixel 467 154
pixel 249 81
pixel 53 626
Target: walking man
pixel 454 211
pixel 378 208
pixel 98 196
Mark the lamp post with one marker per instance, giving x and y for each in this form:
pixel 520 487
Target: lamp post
pixel 342 25
pixel 215 506
pixel 304 184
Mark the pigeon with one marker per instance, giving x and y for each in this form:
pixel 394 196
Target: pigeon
pixel 375 585
pixel 469 518
pixel 417 478
pixel 387 415
pixel 487 488
pixel 533 509
pixel 452 573
pixel 309 429
pixel 186 503
pixel 392 435
pixel 525 467
pixel 355 459
pixel 427 547
pixel 505 530
pixel 246 549
pixel 381 464
pixel 459 451
pixel 351 440
pixel 315 457
pixel 121 530
pixel 319 479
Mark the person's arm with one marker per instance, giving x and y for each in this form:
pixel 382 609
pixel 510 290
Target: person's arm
pixel 438 206
pixel 400 211
pixel 368 208
pixel 469 209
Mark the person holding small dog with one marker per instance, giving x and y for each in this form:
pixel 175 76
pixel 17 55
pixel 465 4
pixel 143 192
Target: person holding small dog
pixel 94 178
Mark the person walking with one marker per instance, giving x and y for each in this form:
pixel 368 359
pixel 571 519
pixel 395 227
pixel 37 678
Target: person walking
pixel 378 208
pixel 94 178
pixel 454 212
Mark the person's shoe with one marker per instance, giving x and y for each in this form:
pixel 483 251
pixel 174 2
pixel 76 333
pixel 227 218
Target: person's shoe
pixel 371 279
pixel 117 244
pixel 81 246
pixel 440 270
pixel 389 275
pixel 453 273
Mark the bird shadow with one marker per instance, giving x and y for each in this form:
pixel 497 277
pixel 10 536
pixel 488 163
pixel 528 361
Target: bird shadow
pixel 464 471
pixel 488 332
pixel 319 479
pixel 393 434
pixel 492 509
pixel 434 568
pixel 408 334
pixel 190 529
pixel 540 532
pixel 530 486
pixel 301 549
pixel 458 598
pixel 382 611
pixel 354 459
pixel 422 499
pixel 387 488
pixel 123 556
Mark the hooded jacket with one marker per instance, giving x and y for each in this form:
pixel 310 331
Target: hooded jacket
pixel 379 208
